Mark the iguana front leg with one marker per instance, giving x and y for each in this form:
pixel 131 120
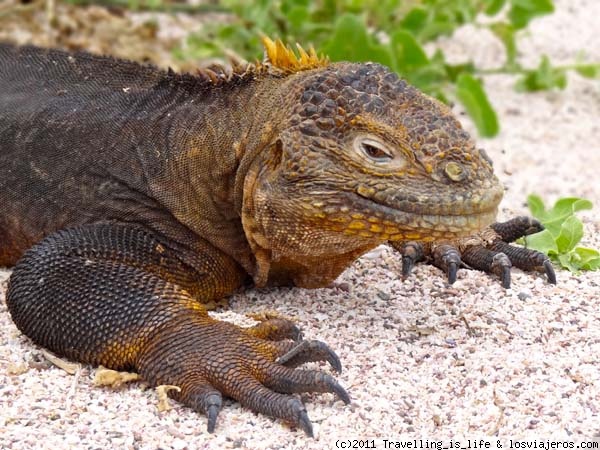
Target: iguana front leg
pixel 121 297
pixel 489 251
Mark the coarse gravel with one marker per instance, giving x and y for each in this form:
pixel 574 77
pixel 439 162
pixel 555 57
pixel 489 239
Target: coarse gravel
pixel 421 358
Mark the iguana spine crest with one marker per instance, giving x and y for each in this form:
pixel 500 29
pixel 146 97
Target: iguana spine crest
pixel 282 57
pixel 278 60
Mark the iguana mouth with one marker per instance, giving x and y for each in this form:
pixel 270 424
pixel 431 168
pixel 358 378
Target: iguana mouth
pixel 377 219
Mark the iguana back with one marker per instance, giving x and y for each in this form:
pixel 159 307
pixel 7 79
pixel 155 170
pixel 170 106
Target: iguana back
pixel 83 139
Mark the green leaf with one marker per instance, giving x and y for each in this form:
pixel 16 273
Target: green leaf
pixel 543 78
pixel 297 16
pixel 542 242
pixel 536 206
pixel 569 261
pixel 288 5
pixel 471 94
pixel 415 20
pixel 592 265
pixel 563 230
pixel 570 205
pixel 493 7
pixel 563 208
pixel 588 70
pixel 523 11
pixel 589 258
pixel 351 41
pixel 453 71
pixel 506 33
pixel 408 54
pixel 571 233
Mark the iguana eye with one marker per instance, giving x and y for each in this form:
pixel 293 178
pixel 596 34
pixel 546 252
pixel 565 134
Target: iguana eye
pixel 373 150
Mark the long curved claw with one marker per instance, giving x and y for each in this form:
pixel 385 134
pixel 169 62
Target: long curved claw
pixel 505 276
pixel 447 258
pixel 501 266
pixel 214 403
pixel 306 424
pixel 307 351
pixel 261 399
pixel 549 269
pixel 341 393
pixel 407 265
pixel 482 258
pixel 211 414
pixel 412 252
pixel 203 398
pixel 452 271
pixel 526 259
pixel 291 381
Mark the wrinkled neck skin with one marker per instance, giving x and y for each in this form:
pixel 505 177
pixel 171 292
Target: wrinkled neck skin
pixel 288 249
pixel 212 140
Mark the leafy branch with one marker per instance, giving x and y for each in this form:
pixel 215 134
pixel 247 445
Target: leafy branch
pixel 563 231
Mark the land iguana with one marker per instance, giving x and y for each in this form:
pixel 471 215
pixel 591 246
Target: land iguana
pixel 131 196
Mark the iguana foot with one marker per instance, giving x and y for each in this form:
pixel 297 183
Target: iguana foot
pixel 208 359
pixel 123 297
pixel 489 251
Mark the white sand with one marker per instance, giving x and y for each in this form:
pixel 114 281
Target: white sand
pixel 527 365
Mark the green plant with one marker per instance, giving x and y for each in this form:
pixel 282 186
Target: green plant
pixel 394 33
pixel 563 231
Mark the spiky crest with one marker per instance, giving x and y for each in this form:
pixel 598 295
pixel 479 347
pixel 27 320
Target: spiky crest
pixel 283 58
pixel 279 60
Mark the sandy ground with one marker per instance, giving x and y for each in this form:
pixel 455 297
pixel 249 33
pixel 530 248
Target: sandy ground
pixel 422 359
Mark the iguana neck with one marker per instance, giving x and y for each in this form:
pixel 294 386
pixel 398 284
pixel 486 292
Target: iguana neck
pixel 212 141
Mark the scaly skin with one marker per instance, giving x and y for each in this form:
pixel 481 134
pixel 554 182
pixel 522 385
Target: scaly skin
pixel 132 196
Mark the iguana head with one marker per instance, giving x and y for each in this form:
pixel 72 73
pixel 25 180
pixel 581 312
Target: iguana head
pixel 360 158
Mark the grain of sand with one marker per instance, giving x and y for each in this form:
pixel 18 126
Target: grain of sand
pixel 421 358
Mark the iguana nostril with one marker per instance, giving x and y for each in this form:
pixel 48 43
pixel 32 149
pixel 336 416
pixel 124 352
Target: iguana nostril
pixel 455 171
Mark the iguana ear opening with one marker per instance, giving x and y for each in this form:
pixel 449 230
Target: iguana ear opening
pixel 277 153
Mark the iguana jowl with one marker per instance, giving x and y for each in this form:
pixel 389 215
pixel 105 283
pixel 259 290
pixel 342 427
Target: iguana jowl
pixel 131 196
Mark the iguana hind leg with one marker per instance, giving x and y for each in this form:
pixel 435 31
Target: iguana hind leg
pixel 121 297
pixel 489 251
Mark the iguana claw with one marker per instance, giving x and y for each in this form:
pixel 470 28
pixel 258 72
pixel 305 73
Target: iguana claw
pixel 412 252
pixel 451 272
pixel 489 251
pixel 549 269
pixel 505 277
pixel 211 414
pixel 447 258
pixel 305 424
pixel 306 351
